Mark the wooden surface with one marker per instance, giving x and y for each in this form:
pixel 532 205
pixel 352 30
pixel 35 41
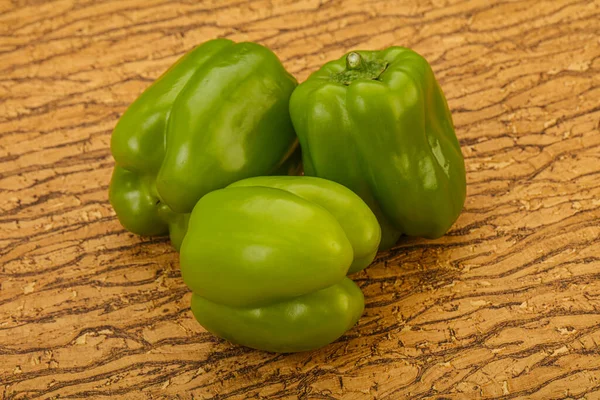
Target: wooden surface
pixel 507 305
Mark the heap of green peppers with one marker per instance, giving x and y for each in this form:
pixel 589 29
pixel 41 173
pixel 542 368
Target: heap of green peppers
pixel 209 155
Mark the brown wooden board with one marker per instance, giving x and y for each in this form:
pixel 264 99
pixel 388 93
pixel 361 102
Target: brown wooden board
pixel 506 305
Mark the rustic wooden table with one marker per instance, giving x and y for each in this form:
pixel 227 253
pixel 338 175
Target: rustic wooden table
pixel 506 305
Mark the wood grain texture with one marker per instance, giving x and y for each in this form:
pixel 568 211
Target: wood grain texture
pixel 506 305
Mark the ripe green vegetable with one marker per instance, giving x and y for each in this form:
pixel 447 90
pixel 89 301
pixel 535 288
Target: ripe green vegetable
pixel 378 123
pixel 218 115
pixel 267 260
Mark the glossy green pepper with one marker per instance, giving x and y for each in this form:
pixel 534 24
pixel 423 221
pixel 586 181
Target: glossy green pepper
pixel 267 259
pixel 218 115
pixel 378 123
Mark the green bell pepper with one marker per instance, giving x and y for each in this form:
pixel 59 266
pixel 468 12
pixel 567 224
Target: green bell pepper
pixel 218 115
pixel 267 259
pixel 378 123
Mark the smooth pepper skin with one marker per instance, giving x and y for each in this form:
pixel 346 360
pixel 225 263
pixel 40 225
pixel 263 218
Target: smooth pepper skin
pixel 218 115
pixel 267 259
pixel 378 123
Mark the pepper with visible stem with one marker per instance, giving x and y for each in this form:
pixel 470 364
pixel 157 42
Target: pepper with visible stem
pixel 378 123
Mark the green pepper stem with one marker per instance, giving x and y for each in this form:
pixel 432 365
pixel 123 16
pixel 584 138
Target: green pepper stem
pixel 359 67
pixel 353 60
